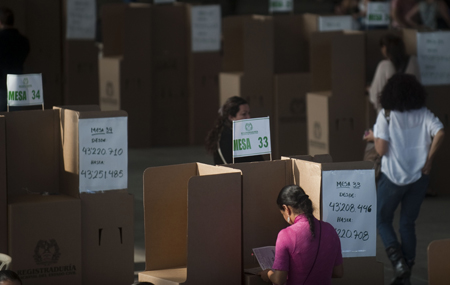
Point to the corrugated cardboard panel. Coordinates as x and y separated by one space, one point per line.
318 122
262 181
438 102
113 28
110 83
215 240
137 36
290 113
171 89
259 93
438 262
233 43
45 239
204 99
259 50
308 175
321 59
81 81
44 30
230 85
3 190
107 238
348 77
165 189
33 148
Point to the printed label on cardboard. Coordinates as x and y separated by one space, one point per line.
103 152
378 14
24 89
251 137
281 6
46 255
350 205
81 19
206 28
434 57
335 23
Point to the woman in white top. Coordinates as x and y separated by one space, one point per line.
396 61
407 136
429 12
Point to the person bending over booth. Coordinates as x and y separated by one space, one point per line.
219 141
407 136
309 250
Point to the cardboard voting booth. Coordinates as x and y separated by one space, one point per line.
44 219
193 225
126 85
95 166
312 177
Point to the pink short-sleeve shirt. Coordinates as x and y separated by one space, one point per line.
296 250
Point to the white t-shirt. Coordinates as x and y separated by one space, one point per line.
409 135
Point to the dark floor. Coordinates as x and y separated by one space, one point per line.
433 222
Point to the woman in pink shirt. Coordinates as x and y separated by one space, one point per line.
309 250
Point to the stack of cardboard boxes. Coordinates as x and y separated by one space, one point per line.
54 233
266 62
169 89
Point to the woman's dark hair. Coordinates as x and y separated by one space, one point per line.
230 108
396 51
296 197
403 92
8 275
6 16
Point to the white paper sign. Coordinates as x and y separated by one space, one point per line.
378 13
281 6
163 1
433 55
350 205
206 28
24 89
335 23
251 137
103 152
81 19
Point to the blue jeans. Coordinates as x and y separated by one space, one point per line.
389 196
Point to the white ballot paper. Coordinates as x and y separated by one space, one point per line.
265 256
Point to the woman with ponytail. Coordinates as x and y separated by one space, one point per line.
219 140
309 250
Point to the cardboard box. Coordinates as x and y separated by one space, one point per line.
290 130
230 85
338 63
188 244
69 124
204 102
410 40
170 67
44 30
126 30
3 190
126 85
334 127
261 183
308 174
45 239
275 44
107 238
33 141
81 84
233 43
438 103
